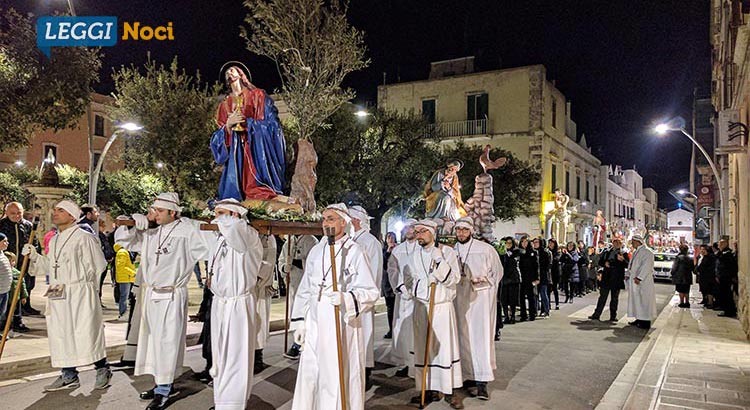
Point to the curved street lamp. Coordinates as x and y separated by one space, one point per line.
127 127
678 124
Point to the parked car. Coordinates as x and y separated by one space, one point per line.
663 266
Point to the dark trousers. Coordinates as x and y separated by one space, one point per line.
390 303
101 283
614 295
30 282
527 295
554 289
726 296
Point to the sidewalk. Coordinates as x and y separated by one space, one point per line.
691 359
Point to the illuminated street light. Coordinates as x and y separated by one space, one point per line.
130 126
160 165
126 127
361 113
661 129
19 163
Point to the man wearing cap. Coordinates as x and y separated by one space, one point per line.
74 315
476 307
435 263
294 264
641 292
317 385
235 258
401 282
374 250
168 255
264 290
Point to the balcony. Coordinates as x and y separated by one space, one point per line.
457 129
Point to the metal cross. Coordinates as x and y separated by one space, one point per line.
158 252
55 266
320 293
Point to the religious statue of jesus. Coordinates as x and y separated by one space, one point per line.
249 142
600 227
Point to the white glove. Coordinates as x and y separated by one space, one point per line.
29 250
141 221
407 295
299 335
335 298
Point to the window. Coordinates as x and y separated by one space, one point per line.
578 186
47 149
596 194
554 112
567 181
554 177
428 110
98 125
477 107
587 191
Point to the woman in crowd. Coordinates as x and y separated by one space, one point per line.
510 290
555 271
706 275
388 294
529 265
545 267
682 275
571 278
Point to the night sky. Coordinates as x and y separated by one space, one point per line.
624 64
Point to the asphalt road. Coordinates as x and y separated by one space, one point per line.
564 362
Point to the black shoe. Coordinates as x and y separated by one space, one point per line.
123 363
634 323
388 335
557 307
687 305
368 378
532 318
203 376
293 352
429 397
402 372
159 402
21 328
30 311
259 365
613 319
482 393
644 324
522 319
594 317
147 395
506 321
497 336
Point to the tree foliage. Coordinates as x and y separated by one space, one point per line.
177 112
514 185
37 92
314 48
384 159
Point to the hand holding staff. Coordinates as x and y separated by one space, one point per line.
334 277
14 300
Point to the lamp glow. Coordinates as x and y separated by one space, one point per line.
130 126
661 129
361 113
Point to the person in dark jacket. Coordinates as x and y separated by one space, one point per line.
614 261
583 269
570 273
545 266
682 275
706 275
726 275
511 282
555 271
529 264
387 289
17 229
204 315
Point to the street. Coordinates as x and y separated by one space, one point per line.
564 362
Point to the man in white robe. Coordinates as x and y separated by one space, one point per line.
374 251
401 282
435 263
74 314
264 289
641 291
168 256
476 307
317 385
235 259
294 264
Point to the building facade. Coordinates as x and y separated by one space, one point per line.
518 110
70 146
730 94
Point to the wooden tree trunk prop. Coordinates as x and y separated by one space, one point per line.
305 178
480 207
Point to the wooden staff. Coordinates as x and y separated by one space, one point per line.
287 269
430 312
336 309
17 292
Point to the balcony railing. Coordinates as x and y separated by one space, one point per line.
457 128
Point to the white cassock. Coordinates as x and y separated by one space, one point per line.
476 308
438 265
74 322
317 385
235 260
301 246
642 297
264 290
401 281
374 251
132 240
168 256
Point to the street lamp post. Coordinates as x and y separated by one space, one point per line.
126 127
678 124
